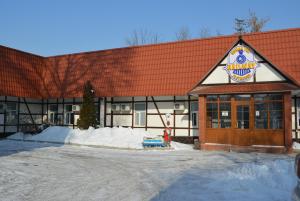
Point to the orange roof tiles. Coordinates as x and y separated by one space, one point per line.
150 70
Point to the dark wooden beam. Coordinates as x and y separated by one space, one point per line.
162 120
31 117
146 123
132 113
189 115
104 112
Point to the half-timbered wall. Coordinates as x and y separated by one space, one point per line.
155 110
296 118
39 112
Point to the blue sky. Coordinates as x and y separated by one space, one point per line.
51 27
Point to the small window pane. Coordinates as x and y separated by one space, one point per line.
260 97
242 97
275 97
212 98
275 119
11 106
194 118
140 106
53 108
212 115
68 108
243 116
142 118
194 106
225 97
1 107
225 115
275 106
261 115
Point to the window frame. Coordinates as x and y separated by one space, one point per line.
194 115
53 114
268 101
218 102
68 115
139 113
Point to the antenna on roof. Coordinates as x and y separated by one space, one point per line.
240 38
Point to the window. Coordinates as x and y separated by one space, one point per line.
218 111
225 114
298 118
194 113
52 114
69 115
268 111
11 113
139 114
1 107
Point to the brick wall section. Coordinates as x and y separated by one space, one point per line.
288 121
202 119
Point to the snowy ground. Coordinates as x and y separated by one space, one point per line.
44 171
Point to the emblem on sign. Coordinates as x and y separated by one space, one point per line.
241 65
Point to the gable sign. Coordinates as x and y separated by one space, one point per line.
241 65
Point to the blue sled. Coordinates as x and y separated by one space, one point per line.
153 143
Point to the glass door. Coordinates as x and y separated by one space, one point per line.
242 116
242 111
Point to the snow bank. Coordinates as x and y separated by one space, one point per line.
261 180
118 137
296 146
272 180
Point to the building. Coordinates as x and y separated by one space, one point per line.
229 91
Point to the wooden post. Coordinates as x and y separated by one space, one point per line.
202 119
4 119
146 123
288 121
42 111
111 113
296 118
174 118
104 112
189 117
132 113
18 120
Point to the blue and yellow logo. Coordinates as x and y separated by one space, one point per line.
241 65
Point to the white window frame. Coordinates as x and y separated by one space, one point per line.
52 114
11 113
139 113
68 115
194 114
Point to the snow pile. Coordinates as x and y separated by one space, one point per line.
271 180
266 180
296 146
110 137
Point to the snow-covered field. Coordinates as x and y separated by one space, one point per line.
45 171
117 137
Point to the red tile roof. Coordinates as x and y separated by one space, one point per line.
150 70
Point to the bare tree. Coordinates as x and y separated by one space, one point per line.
183 34
204 32
142 37
254 24
251 24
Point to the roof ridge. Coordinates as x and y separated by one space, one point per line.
176 42
21 51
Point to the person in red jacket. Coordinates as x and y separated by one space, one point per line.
167 134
